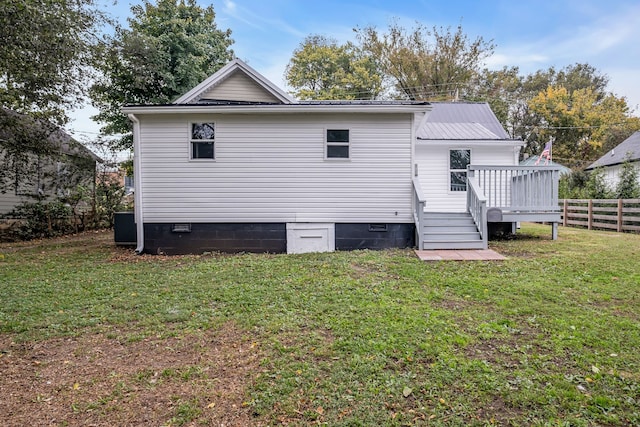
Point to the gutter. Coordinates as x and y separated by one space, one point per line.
137 184
274 108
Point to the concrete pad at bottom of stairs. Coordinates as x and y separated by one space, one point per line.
460 255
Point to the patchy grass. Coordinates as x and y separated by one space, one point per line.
91 333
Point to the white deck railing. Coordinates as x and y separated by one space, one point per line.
517 188
477 205
419 202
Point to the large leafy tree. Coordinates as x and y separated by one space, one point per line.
424 63
169 47
322 69
570 105
577 121
46 55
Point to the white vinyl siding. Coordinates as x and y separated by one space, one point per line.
271 168
433 171
611 175
10 200
239 87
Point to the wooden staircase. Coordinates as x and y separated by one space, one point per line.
450 230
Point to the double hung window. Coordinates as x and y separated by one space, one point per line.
337 143
203 140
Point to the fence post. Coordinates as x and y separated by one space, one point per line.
619 223
565 212
590 215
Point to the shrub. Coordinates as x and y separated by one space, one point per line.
42 219
628 186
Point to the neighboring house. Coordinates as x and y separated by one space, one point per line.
57 173
236 164
629 149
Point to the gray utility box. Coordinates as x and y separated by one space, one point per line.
124 229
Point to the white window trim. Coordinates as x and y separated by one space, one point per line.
449 170
327 143
191 140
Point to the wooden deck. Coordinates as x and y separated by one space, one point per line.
460 255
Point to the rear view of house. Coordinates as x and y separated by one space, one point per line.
236 164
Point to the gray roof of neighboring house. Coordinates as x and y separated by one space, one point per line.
630 146
462 121
56 136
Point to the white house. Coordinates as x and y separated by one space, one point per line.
612 161
236 164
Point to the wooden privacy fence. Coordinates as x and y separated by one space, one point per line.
610 214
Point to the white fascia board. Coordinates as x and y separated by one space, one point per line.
225 71
271 109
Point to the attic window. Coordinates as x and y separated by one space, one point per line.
202 140
337 143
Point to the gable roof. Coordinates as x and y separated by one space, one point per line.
244 74
462 121
630 146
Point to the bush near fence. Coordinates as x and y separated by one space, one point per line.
622 215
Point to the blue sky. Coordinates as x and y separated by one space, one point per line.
529 34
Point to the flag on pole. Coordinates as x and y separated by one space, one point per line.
546 153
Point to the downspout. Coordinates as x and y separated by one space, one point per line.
137 184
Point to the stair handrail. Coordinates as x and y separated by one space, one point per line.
477 207
419 203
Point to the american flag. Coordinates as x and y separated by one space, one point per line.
546 153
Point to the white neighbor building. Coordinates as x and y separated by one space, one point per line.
612 161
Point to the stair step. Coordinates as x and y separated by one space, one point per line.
444 222
467 228
448 214
451 235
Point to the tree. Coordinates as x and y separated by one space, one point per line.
170 47
45 54
322 69
45 57
425 64
628 184
499 88
577 121
593 121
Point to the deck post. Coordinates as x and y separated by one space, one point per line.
554 231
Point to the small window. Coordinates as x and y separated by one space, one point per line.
337 143
458 162
202 140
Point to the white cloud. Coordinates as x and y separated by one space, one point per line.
229 7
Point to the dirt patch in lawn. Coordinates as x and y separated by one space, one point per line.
91 380
74 242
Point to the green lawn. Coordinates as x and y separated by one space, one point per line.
550 336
